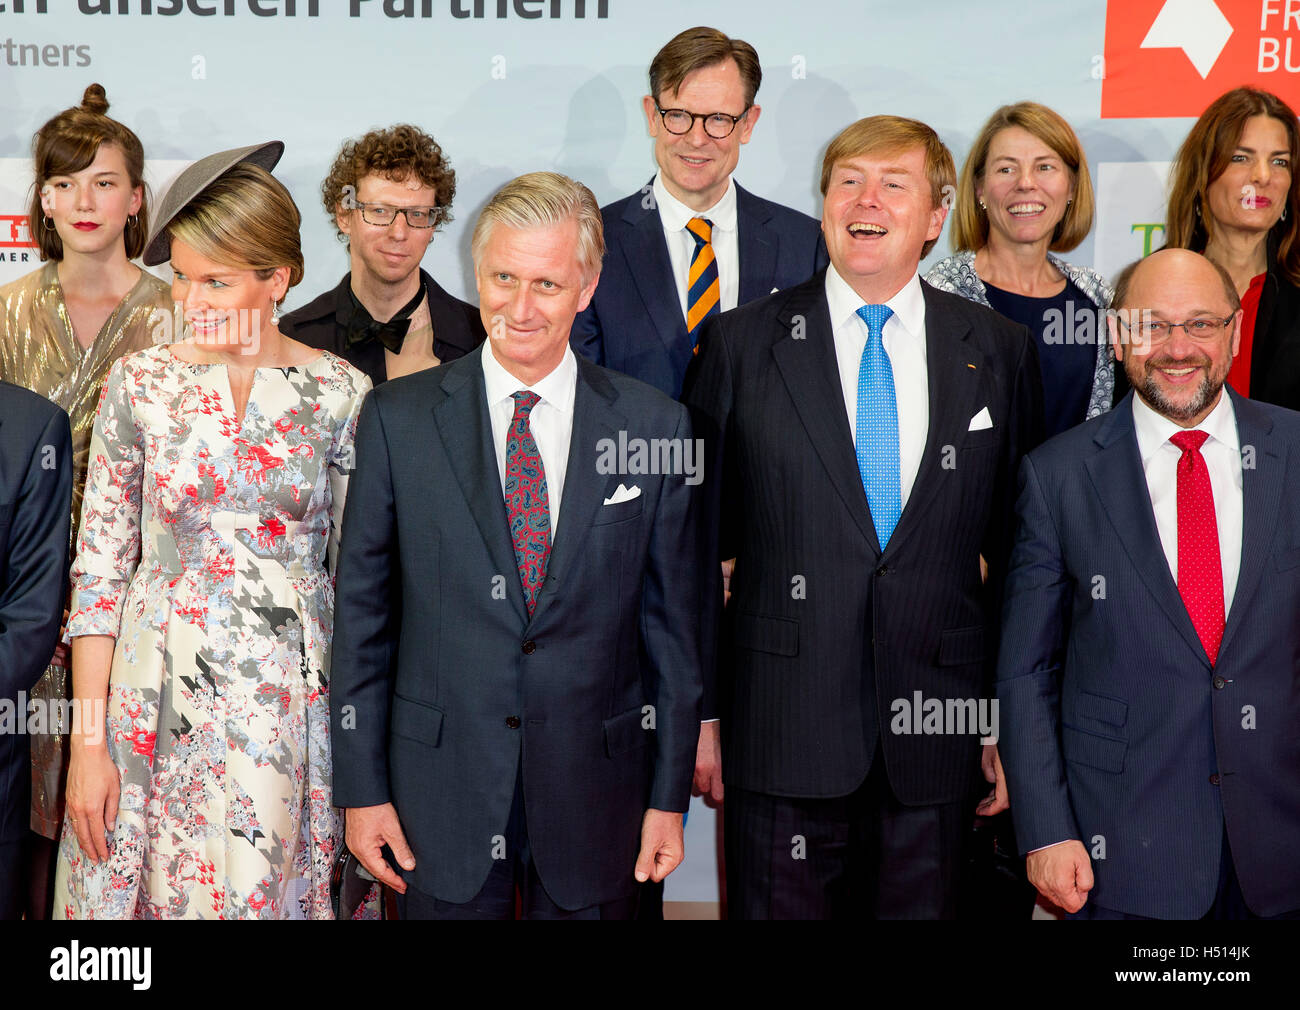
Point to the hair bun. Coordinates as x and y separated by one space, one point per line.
95 99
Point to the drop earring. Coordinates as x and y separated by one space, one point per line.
275 312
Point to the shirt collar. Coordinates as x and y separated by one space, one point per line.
556 388
674 214
1153 429
908 303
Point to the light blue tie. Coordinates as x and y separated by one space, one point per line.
877 432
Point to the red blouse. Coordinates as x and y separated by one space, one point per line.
1239 373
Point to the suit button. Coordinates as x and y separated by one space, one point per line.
882 570
512 722
1218 683
1214 779
529 647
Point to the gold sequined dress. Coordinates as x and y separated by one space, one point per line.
39 350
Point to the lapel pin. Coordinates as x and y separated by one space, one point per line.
969 365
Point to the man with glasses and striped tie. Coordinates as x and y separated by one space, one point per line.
691 243
862 433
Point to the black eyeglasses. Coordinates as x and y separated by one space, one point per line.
383 215
717 125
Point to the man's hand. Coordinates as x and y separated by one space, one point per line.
1062 873
708 762
662 846
997 800
369 829
728 567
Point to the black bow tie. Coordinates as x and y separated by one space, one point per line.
362 328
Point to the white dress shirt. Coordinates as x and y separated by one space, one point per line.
551 420
1222 455
904 340
674 215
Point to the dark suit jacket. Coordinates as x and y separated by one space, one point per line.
446 678
823 632
457 327
35 510
1275 350
1113 720
634 323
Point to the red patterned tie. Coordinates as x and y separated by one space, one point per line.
527 505
1200 570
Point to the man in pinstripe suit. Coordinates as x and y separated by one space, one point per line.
1150 704
863 432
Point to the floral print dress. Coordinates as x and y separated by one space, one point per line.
202 549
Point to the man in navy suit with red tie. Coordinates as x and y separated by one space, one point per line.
516 677
1150 706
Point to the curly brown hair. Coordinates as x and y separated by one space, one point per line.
393 153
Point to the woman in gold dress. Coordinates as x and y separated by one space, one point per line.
61 328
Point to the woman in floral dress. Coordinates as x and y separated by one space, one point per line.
202 607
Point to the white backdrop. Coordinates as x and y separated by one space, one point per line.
519 85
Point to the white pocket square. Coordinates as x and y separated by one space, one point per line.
981 421
774 291
623 494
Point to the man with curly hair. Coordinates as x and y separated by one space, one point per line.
387 193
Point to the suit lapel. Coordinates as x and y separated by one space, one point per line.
1121 484
449 323
594 418
1262 474
646 253
811 374
757 247
466 433
952 383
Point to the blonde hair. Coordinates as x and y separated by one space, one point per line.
878 135
244 219
970 224
539 200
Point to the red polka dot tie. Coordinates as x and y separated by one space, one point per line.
527 503
1200 570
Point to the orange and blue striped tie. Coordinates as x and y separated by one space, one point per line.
702 290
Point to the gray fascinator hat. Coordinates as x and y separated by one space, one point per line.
193 181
